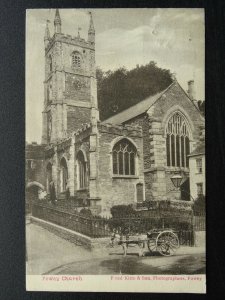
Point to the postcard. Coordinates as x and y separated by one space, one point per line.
115 150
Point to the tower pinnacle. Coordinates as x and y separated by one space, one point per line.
91 24
47 34
91 30
57 22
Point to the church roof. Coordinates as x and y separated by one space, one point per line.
200 149
135 110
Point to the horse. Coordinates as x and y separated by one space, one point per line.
128 241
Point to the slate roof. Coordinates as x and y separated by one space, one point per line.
200 149
135 110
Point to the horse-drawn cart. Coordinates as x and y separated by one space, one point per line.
163 241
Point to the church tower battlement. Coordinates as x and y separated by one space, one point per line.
70 91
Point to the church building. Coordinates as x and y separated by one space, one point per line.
126 159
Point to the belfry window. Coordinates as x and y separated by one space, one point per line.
76 60
82 171
177 141
124 156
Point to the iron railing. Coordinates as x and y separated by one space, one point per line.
199 223
89 226
102 227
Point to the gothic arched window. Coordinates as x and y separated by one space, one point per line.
82 170
124 158
76 59
63 174
177 141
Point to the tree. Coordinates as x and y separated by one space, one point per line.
120 89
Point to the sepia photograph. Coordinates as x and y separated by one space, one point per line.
115 150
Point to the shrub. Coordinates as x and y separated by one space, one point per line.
123 211
85 212
165 213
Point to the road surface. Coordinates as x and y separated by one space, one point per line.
49 254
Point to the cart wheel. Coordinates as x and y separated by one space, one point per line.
152 245
167 243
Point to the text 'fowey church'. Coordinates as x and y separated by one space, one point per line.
126 159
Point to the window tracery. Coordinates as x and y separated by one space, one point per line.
124 156
177 141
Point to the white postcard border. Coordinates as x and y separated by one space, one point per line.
118 283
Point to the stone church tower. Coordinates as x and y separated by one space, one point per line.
70 93
126 159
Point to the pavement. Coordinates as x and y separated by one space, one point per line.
46 251
50 254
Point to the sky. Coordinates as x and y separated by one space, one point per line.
173 38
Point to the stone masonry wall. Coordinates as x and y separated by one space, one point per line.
116 190
76 116
68 89
173 100
158 184
142 121
87 56
175 97
77 87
